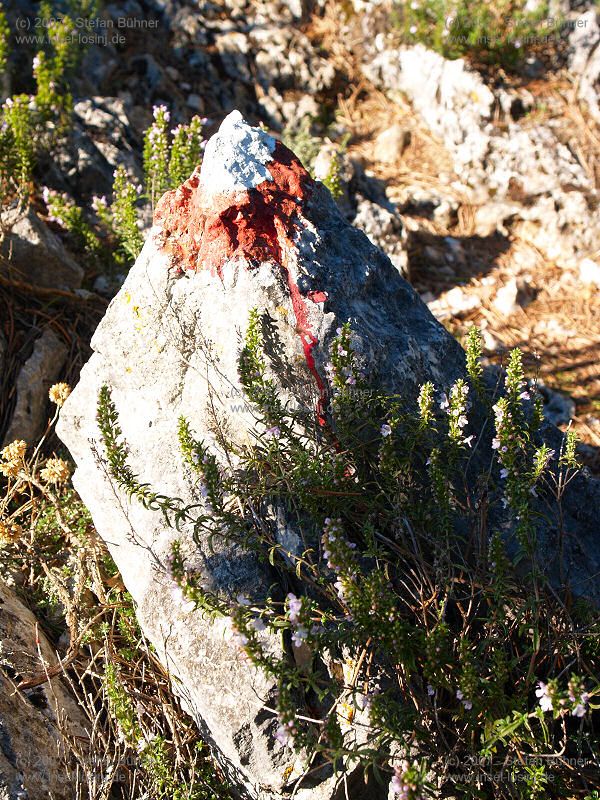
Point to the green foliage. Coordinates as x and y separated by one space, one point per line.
17 146
69 216
333 179
155 754
156 155
307 146
403 568
170 161
54 68
496 33
303 142
123 214
186 151
4 40
32 124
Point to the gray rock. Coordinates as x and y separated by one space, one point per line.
103 137
559 408
33 761
584 60
453 100
523 166
36 255
384 228
168 346
39 372
233 48
174 314
391 143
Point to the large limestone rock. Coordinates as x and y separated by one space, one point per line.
251 230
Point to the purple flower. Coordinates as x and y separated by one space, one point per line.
299 635
385 430
294 607
284 733
495 444
504 473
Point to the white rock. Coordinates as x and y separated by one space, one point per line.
505 301
236 158
589 272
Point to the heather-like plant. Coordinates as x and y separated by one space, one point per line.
54 67
17 146
156 154
30 124
122 217
170 157
186 150
63 211
4 40
424 648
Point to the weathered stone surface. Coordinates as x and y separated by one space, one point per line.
35 255
37 375
525 170
33 761
251 230
103 137
584 60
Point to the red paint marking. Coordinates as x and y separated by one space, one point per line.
318 297
256 225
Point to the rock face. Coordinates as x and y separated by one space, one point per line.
38 373
35 255
250 230
553 207
33 762
585 61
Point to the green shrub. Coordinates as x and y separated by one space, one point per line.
17 146
421 643
170 158
31 124
62 210
496 33
4 41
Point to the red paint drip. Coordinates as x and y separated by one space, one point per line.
205 232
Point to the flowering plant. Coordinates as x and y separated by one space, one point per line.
407 625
